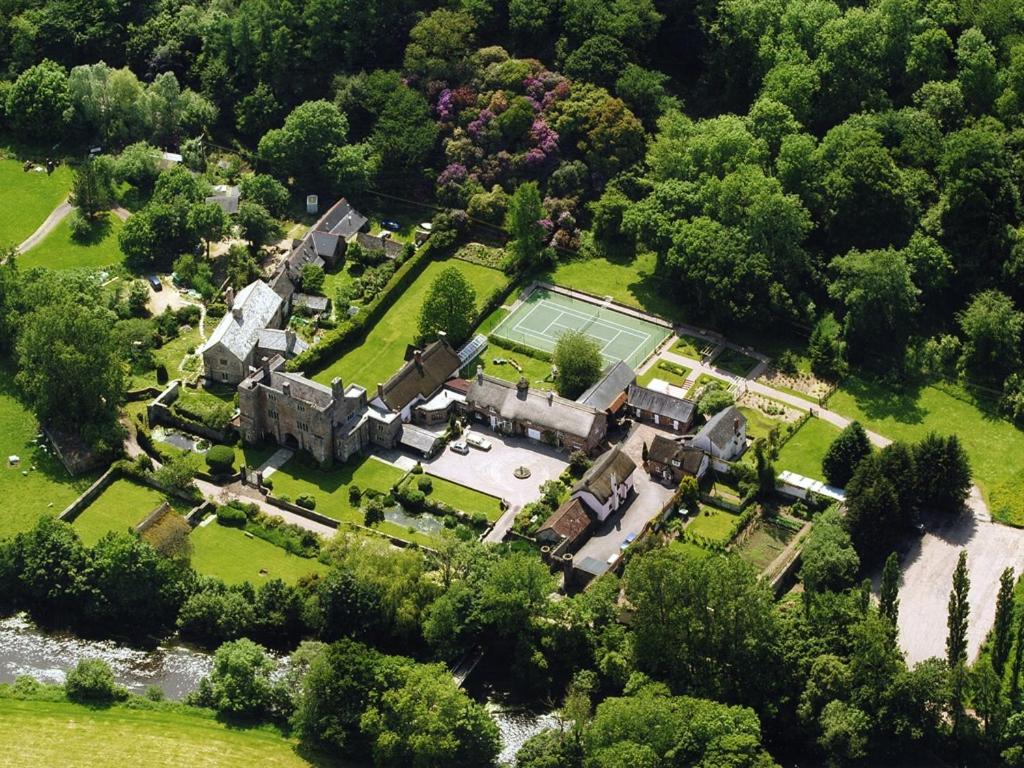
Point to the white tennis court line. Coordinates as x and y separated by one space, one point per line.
582 316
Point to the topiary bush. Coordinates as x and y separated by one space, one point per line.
231 517
354 495
221 460
425 484
306 501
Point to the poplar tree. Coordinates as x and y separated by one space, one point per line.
1003 627
889 602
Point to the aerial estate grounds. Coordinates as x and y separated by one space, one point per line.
545 315
993 445
38 484
74 736
382 352
231 555
27 198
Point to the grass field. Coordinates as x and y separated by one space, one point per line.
47 488
122 505
26 199
171 355
465 499
692 346
666 371
994 446
535 370
804 451
383 351
630 281
734 362
767 541
712 524
47 733
59 251
545 315
330 489
229 554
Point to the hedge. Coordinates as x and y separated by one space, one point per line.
334 343
220 459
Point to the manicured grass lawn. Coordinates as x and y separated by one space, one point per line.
122 505
172 354
630 281
535 370
465 499
767 540
48 488
703 379
734 362
712 524
994 445
491 321
229 554
335 281
26 199
330 489
73 736
758 423
253 455
382 352
673 374
692 346
804 451
60 251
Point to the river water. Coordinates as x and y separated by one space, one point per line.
176 670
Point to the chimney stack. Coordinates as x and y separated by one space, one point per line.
229 296
736 425
417 356
522 385
479 374
236 312
380 391
286 388
336 389
289 340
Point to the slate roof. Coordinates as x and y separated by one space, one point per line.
226 197
421 377
301 388
611 468
258 303
324 244
664 450
544 410
606 390
314 303
569 521
285 343
418 439
721 427
666 406
341 219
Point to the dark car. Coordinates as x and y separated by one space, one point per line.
154 281
393 226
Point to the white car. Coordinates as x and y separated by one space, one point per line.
459 446
478 442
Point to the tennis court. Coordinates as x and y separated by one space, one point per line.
544 316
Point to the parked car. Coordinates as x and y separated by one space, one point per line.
459 446
628 540
478 441
394 226
154 281
613 558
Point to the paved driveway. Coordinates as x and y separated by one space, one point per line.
928 577
649 499
491 471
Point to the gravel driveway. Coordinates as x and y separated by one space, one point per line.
928 576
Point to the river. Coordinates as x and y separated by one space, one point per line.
176 670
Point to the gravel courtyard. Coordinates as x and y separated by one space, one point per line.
927 579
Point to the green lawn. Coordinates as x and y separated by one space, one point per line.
172 355
46 487
59 251
670 372
734 362
767 541
712 524
536 371
465 499
122 505
758 423
804 451
994 446
26 199
491 321
692 346
336 280
382 352
74 736
229 554
630 281
330 489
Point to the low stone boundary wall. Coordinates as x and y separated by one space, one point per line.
310 514
75 508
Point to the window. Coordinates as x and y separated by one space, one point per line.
271 396
223 361
303 426
272 413
301 408
676 463
224 376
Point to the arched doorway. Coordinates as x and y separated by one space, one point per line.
290 441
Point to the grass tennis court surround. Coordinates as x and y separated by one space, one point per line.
545 315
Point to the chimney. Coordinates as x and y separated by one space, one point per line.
442 336
229 296
417 357
336 389
380 391
551 398
479 374
736 425
286 388
522 386
289 340
236 312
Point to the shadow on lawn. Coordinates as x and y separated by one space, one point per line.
880 401
97 231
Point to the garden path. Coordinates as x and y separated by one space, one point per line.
57 215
